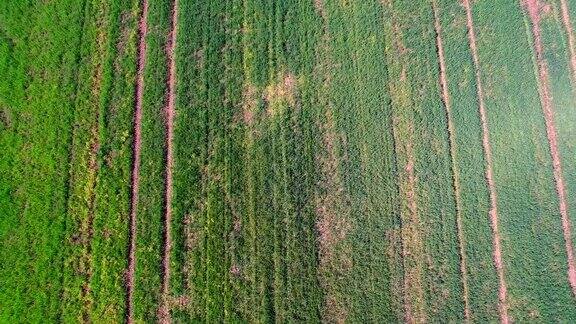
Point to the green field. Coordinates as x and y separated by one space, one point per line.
335 161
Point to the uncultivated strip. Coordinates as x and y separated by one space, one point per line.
533 7
412 249
88 227
502 293
332 211
570 34
164 311
452 142
143 31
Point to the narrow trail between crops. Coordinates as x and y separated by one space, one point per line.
164 311
143 32
571 42
533 8
502 293
455 174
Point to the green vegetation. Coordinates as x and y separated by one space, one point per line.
531 230
314 179
557 55
470 163
67 110
40 50
149 237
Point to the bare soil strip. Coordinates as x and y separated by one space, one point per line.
455 174
533 8
143 31
502 293
570 33
164 311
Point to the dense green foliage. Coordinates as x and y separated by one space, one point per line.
67 111
314 178
39 54
528 204
469 163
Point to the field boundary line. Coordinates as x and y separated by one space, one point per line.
570 34
452 141
533 8
497 253
136 146
169 111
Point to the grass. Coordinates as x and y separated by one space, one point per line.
557 56
470 164
529 214
313 180
40 50
151 197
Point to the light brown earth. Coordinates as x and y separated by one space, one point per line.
497 255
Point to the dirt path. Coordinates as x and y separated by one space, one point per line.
570 33
455 174
143 31
164 311
533 7
502 293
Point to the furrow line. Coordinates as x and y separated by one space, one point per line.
136 147
497 253
533 8
452 142
164 310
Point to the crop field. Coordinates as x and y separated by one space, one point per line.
288 161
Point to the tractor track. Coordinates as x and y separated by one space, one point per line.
164 310
455 175
497 253
136 147
533 9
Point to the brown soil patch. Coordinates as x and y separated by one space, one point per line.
249 104
136 147
320 8
453 157
180 302
280 93
497 256
5 118
533 7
